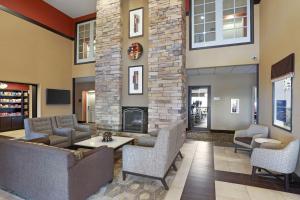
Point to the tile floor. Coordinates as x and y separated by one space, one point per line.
15 134
230 191
226 160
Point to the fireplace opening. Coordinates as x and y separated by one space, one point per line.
135 119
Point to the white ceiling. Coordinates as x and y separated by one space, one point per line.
245 69
74 8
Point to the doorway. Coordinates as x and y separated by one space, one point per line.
84 99
199 108
90 107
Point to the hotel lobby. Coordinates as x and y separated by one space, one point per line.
149 100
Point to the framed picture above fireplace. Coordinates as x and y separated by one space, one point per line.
135 80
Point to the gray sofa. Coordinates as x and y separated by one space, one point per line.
154 162
79 132
62 131
40 172
46 127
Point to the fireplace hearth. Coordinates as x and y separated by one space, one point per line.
135 119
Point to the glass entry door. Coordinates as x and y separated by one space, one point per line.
199 108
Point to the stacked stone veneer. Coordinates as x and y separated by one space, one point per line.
166 60
108 65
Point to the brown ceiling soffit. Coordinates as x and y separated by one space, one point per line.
284 67
257 1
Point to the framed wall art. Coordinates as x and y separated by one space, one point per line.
136 23
135 51
235 106
282 75
135 80
282 103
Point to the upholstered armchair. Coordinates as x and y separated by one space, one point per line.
282 161
153 162
150 139
46 127
80 132
244 139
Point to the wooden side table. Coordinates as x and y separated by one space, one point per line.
260 141
267 140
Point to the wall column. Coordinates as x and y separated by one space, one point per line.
166 59
108 65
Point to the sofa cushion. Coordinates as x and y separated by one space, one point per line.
42 125
79 135
146 141
245 140
66 121
55 139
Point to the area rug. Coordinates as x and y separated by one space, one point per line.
218 139
134 187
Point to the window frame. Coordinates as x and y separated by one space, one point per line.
229 42
78 61
273 106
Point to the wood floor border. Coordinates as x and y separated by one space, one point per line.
200 183
258 181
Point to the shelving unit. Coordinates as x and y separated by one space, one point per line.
14 108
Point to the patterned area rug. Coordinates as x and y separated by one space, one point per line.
218 139
134 187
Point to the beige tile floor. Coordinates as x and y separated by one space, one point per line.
15 134
226 160
230 191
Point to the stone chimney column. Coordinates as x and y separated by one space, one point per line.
108 65
166 59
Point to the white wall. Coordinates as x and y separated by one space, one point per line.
228 86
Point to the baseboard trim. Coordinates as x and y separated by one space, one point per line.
222 131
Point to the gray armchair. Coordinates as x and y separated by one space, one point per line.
79 132
244 139
150 139
282 161
153 162
46 127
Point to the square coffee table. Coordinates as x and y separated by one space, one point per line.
95 142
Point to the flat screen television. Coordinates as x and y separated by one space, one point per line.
57 97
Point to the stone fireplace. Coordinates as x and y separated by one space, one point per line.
135 119
163 60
